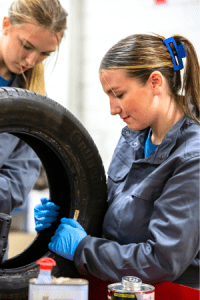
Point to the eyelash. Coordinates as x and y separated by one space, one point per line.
26 47
46 54
119 96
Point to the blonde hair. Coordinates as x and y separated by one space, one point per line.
141 54
37 82
48 14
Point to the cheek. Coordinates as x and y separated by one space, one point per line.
14 52
131 105
134 102
41 59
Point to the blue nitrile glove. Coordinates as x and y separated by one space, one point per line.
45 214
66 238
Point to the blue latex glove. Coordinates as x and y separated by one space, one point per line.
45 214
66 238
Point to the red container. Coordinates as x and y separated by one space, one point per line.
160 2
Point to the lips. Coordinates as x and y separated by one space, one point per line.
125 118
23 68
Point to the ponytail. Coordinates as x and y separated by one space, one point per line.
191 81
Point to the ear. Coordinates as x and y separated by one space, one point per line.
6 25
156 80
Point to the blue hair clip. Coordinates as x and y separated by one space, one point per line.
180 53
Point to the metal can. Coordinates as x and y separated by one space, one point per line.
61 288
131 288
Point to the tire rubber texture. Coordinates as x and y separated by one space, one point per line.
75 175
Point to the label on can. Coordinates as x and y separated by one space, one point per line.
77 290
119 296
149 296
59 292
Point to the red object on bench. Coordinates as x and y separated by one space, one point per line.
160 1
173 291
163 291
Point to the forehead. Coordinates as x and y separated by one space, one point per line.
113 78
114 74
37 35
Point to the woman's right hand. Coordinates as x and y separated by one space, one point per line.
45 214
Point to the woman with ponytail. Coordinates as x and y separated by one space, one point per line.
32 30
151 227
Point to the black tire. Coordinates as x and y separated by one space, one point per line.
75 173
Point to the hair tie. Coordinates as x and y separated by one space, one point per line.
180 53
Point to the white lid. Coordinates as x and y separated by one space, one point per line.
131 283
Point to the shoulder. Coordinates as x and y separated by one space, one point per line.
185 144
189 137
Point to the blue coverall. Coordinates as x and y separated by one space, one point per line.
19 169
151 228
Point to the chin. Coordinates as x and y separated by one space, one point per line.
18 72
16 69
138 127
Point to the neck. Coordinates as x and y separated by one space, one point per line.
5 74
4 71
169 116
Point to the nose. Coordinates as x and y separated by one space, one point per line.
115 108
32 59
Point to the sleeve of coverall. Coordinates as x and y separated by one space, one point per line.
174 237
19 169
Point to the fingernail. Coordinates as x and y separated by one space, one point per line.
44 200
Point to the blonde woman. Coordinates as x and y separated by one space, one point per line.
32 31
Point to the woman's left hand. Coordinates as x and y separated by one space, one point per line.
66 238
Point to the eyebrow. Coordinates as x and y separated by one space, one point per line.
26 41
111 90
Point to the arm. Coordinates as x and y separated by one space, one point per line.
174 231
20 169
8 142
